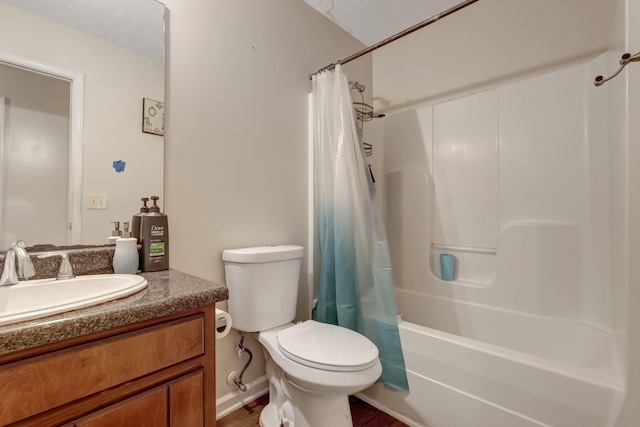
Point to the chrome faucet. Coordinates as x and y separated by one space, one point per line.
65 271
17 264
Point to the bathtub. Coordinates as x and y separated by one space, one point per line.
484 367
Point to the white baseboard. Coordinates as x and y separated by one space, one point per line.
232 401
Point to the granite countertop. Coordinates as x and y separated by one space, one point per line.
169 291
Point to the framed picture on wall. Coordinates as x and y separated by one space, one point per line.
152 116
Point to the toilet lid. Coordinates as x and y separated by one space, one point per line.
329 347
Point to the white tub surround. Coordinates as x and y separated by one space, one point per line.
522 184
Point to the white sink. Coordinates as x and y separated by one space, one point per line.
39 298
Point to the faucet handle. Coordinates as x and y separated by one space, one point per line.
65 271
19 243
17 264
24 266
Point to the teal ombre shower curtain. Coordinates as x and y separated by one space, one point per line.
356 286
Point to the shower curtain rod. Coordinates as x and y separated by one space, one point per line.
626 59
396 36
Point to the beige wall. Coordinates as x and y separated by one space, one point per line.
112 112
236 137
488 43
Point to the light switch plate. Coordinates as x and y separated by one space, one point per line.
97 201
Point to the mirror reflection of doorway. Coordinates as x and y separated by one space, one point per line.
34 156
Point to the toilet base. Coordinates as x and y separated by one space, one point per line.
326 417
292 406
269 417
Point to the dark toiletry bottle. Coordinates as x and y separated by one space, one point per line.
135 221
154 232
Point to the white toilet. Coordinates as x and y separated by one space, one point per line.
312 367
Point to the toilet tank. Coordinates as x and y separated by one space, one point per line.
263 285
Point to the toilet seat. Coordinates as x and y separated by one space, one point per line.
317 380
327 347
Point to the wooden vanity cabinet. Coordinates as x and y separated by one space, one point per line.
159 372
145 410
180 399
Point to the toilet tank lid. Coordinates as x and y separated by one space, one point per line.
263 254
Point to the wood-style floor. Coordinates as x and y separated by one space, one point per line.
363 415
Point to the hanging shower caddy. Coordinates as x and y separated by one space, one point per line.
364 113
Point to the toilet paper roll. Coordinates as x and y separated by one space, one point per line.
223 323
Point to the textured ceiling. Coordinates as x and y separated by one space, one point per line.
139 24
371 21
134 24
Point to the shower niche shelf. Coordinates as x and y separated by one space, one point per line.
474 266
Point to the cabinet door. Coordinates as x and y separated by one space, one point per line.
145 410
186 400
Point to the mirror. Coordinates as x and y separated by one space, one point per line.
102 60
35 147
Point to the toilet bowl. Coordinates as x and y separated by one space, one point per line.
312 367
318 367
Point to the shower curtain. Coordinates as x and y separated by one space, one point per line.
356 286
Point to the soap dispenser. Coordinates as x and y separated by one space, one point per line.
115 234
125 258
154 233
135 221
